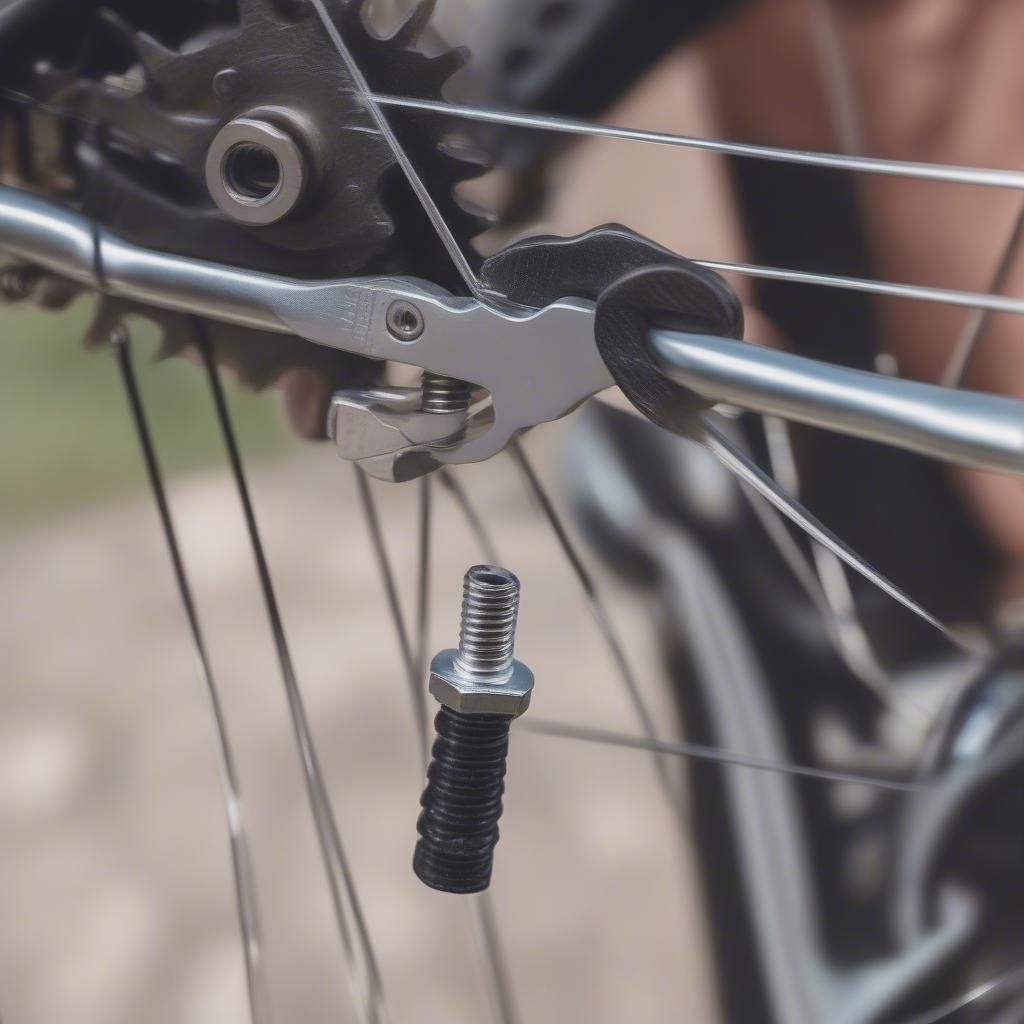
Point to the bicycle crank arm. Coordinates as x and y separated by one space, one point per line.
536 365
984 431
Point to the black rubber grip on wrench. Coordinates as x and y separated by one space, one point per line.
637 284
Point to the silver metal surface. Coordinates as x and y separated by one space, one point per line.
984 431
238 199
536 365
992 176
893 289
255 202
482 677
378 421
405 321
47 235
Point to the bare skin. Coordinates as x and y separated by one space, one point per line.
934 80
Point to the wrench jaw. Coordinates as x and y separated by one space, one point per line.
386 432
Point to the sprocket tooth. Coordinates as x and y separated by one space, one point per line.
414 25
158 62
176 338
108 316
444 65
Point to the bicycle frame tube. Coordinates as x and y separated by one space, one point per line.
984 431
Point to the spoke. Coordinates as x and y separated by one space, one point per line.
431 209
423 583
978 319
570 731
826 587
601 617
453 485
923 293
489 940
789 551
826 583
835 70
387 575
736 462
355 937
24 100
976 995
850 637
957 174
246 897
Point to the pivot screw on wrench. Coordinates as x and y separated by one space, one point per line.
404 320
481 688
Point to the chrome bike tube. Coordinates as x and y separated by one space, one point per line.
985 431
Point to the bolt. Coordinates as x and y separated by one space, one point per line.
405 321
458 826
444 394
487 632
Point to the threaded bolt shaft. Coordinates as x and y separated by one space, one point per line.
490 604
444 394
461 805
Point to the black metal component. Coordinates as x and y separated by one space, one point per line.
162 85
637 284
970 829
458 827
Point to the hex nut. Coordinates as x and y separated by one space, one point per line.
257 135
472 696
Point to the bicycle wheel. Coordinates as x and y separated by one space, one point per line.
845 829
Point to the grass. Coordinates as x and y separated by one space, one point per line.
65 433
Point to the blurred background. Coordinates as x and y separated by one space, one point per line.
115 882
114 870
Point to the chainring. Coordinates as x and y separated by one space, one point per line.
137 114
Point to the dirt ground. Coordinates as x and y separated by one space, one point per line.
114 873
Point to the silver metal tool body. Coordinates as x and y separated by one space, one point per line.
535 365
